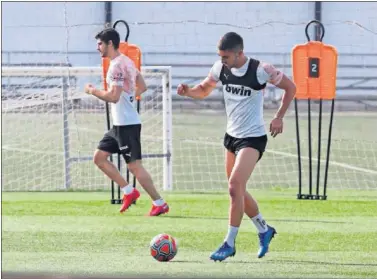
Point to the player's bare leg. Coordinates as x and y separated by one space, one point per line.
142 175
252 211
251 205
108 168
144 178
101 161
250 208
243 167
265 232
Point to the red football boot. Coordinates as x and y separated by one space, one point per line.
158 210
129 199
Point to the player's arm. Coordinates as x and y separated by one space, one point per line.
203 89
199 91
280 80
269 73
141 86
289 93
111 95
117 77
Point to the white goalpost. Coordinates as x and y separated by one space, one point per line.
51 128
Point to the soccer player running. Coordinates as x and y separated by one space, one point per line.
124 84
243 79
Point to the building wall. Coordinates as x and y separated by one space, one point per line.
186 27
274 27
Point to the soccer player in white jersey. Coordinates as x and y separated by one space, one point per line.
124 83
243 79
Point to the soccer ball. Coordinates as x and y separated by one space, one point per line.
163 247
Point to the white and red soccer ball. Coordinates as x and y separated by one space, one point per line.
163 247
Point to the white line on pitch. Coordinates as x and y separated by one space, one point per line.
346 166
286 154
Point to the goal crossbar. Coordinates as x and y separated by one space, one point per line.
76 71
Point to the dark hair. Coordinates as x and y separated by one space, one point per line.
231 41
107 35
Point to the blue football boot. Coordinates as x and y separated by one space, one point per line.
264 241
223 252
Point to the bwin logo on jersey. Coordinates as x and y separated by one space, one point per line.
238 90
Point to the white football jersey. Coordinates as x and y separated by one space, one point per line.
122 72
243 95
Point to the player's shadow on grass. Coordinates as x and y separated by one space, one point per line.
309 221
195 217
299 262
270 220
232 261
187 261
322 263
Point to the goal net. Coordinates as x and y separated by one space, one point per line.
51 128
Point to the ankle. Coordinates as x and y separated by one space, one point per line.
128 189
158 202
231 236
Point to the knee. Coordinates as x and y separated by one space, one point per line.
236 188
100 158
135 168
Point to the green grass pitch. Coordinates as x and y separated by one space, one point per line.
81 233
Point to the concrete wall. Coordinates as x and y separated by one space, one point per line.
274 27
186 27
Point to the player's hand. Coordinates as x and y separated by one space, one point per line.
182 89
276 126
89 88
